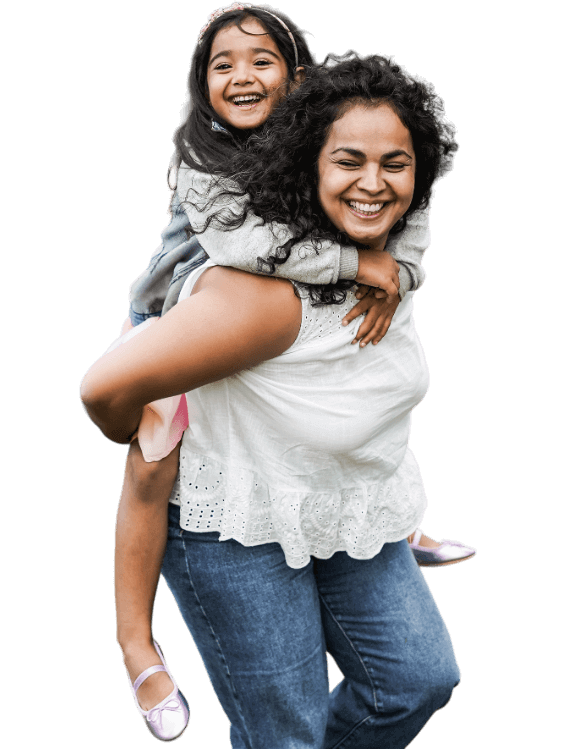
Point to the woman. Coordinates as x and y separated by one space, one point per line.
278 466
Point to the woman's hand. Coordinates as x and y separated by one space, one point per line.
378 311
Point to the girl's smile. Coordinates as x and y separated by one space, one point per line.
247 75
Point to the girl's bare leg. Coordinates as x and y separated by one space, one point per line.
141 534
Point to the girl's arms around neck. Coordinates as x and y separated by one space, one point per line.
232 321
241 247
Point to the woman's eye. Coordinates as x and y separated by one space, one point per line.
347 164
395 167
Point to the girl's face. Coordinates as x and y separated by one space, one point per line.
247 75
367 173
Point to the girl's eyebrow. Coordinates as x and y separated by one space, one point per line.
361 155
255 50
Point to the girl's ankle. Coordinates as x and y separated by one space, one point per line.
132 646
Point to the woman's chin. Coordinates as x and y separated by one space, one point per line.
371 241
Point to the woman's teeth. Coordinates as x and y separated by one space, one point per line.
369 209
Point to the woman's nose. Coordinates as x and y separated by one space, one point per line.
371 180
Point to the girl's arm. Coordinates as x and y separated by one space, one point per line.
408 248
232 321
200 196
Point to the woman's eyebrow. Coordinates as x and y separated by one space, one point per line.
255 50
361 155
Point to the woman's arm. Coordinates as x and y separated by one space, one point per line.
232 321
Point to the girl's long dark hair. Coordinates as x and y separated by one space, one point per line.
277 168
197 144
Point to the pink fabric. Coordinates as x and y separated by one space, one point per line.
164 421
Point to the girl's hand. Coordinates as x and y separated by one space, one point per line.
378 311
380 270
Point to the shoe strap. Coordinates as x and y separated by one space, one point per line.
146 673
416 537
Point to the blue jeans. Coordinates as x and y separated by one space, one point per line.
262 629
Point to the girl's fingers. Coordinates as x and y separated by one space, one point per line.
367 329
359 309
362 290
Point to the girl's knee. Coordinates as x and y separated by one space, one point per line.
151 481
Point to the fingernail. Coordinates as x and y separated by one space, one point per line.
345 322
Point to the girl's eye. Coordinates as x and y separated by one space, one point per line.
260 63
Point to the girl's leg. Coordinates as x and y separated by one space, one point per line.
256 623
383 628
425 541
141 532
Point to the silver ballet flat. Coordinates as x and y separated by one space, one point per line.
448 552
167 720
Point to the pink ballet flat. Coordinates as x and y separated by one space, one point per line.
448 552
167 720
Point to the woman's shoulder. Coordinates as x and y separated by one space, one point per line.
267 291
268 305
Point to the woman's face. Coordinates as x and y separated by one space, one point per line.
367 173
246 75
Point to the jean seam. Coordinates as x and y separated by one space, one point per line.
355 727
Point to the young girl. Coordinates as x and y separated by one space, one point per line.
247 60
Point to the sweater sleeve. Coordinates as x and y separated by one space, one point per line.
201 199
408 247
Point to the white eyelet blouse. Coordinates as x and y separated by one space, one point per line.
309 449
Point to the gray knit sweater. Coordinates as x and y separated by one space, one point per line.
241 247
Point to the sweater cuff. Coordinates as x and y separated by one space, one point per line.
348 264
405 281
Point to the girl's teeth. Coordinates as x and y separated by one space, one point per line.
243 99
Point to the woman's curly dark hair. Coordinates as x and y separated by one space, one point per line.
277 168
214 148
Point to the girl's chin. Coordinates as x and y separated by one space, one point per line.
248 119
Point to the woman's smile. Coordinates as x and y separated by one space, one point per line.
365 210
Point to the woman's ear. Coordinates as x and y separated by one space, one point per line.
298 79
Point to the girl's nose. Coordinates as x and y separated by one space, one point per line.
243 75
